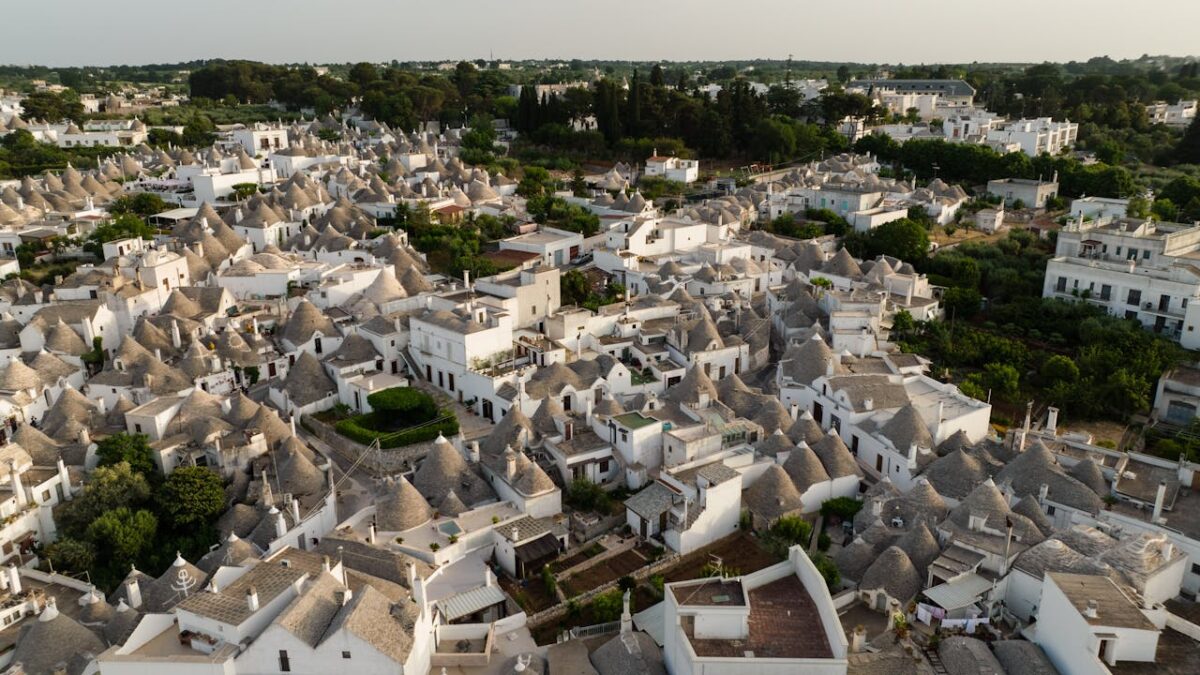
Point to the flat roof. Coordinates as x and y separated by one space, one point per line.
1113 608
635 420
784 623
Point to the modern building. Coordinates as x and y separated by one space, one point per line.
1133 268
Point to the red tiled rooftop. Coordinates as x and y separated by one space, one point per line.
784 624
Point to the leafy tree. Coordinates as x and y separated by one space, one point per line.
109 487
902 321
792 530
828 570
71 555
132 449
123 536
192 496
903 239
1059 368
123 226
52 107
1003 380
1188 149
143 204
574 287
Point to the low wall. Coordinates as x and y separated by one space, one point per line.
641 574
386 462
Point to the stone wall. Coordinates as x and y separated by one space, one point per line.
641 574
385 462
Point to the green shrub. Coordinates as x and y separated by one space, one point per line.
843 507
354 429
402 406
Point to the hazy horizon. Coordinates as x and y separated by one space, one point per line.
919 31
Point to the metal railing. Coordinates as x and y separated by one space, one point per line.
595 629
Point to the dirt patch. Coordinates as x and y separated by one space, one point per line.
531 594
609 569
739 553
578 557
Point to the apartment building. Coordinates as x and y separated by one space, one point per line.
1143 270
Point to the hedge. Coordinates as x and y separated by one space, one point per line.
352 429
404 405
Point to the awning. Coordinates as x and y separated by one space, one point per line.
544 546
469 602
961 592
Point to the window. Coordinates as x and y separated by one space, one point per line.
1061 286
624 436
1196 568
1135 297
285 665
1049 510
1105 292
345 655
604 466
1146 254
137 428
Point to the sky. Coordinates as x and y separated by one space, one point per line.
868 31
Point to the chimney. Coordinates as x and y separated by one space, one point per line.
876 508
474 452
85 438
1160 499
345 596
50 613
510 463
280 523
133 593
252 599
412 575
158 353
868 403
14 578
1043 492
295 504
326 565
18 487
371 534
793 411
516 534
626 617
1052 421
587 410
912 454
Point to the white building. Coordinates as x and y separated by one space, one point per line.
684 171
1031 193
776 621
1133 269
1179 114
1086 624
1035 136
